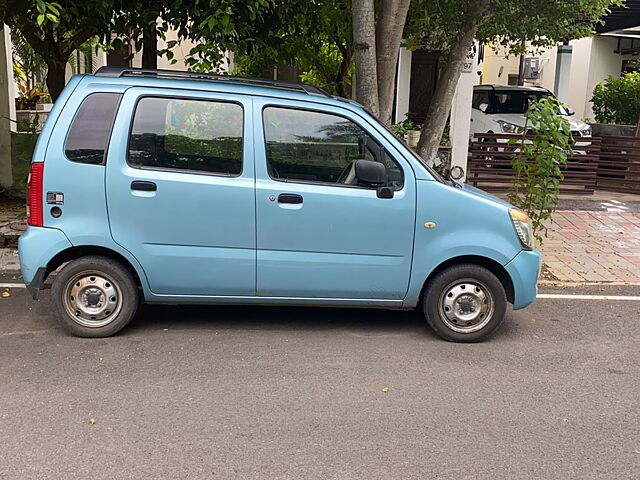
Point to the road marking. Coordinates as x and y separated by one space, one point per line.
12 285
589 297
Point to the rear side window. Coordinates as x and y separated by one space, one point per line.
185 134
91 128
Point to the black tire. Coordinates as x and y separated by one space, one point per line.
106 301
487 295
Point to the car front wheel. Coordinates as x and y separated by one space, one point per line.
465 303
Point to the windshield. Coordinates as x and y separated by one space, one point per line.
517 101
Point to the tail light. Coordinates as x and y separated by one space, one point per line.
34 195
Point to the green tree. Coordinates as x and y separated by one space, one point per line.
450 26
312 36
55 31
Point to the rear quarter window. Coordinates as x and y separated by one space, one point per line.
91 128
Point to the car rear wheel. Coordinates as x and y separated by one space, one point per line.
95 296
465 303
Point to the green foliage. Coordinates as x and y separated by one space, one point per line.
24 144
617 100
436 24
401 129
538 162
28 97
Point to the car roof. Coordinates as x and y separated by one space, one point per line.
178 79
510 87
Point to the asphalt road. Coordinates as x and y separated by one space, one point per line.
273 393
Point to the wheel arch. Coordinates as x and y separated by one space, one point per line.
494 267
75 252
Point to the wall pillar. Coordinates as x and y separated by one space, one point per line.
403 85
461 111
562 85
7 107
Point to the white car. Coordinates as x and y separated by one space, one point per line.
501 109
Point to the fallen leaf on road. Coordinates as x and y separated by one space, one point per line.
385 389
92 421
565 420
6 294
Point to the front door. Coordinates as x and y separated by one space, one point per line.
180 190
319 233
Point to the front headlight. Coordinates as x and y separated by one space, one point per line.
508 127
522 225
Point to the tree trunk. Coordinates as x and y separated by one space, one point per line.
391 20
638 128
56 67
440 107
364 44
150 47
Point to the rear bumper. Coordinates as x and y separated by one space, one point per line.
524 270
37 246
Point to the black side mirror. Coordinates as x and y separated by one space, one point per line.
373 174
370 173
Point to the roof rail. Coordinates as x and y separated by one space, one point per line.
116 72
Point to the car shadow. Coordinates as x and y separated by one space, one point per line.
216 317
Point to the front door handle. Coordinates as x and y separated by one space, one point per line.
143 186
292 198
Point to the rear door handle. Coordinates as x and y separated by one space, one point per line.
292 198
143 186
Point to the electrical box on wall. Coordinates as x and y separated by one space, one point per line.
532 68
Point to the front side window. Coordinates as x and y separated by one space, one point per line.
91 128
319 147
185 134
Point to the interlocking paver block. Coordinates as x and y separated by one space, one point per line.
593 247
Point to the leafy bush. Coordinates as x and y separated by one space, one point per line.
538 161
617 100
401 129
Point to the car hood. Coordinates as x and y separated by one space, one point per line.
481 193
519 120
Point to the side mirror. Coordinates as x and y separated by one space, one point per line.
483 107
373 174
570 112
456 172
370 173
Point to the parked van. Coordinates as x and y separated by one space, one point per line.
175 187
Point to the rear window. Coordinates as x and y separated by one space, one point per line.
189 135
91 128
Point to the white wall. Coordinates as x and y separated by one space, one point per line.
461 114
604 62
403 85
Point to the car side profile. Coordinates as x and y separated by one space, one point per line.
175 187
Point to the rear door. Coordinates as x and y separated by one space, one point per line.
180 190
319 234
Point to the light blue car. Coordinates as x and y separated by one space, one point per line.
174 187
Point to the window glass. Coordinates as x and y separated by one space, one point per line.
480 98
319 147
91 128
185 134
517 101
